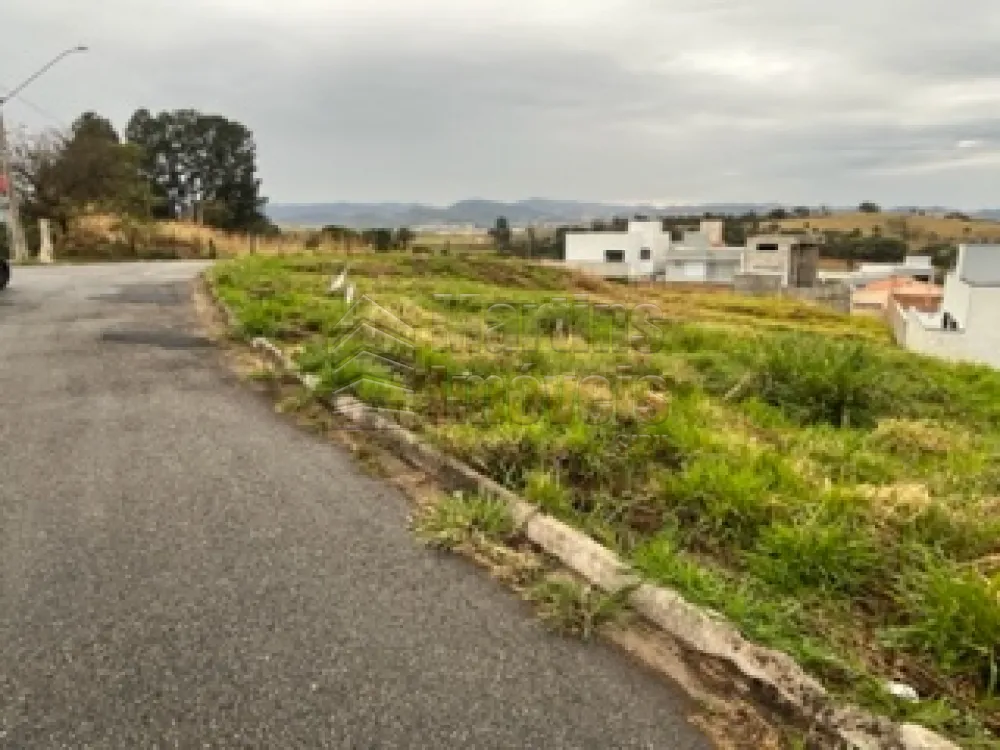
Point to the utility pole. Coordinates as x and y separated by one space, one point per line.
19 248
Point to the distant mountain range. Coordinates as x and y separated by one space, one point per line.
483 213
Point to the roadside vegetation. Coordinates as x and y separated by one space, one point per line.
833 496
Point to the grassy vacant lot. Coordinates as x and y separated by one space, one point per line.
833 496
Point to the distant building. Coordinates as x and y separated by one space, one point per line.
702 257
967 326
916 267
634 253
646 251
910 294
787 260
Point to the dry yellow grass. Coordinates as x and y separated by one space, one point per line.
436 239
227 245
919 231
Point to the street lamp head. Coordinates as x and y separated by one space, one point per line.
19 88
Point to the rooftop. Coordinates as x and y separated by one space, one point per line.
904 285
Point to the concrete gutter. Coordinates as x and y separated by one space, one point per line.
700 631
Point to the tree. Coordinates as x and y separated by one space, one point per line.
88 168
802 212
339 233
735 233
380 239
404 236
868 207
778 214
200 166
501 233
944 256
99 171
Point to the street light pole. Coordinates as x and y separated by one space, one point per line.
16 231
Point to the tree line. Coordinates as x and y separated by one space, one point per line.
180 164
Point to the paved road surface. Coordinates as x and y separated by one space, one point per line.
182 569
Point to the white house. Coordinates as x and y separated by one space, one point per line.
635 253
916 267
646 250
701 256
968 326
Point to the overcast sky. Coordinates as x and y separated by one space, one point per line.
671 101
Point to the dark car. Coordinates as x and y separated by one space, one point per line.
4 259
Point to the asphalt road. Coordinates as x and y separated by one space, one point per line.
183 569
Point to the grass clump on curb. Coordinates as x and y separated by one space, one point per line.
575 609
458 520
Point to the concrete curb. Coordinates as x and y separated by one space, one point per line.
700 631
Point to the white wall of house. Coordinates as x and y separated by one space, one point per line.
723 271
978 342
974 307
643 249
957 298
701 270
677 269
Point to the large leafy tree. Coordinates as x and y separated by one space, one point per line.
62 174
199 166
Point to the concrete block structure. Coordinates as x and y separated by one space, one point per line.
794 259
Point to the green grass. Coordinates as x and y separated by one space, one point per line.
574 609
833 496
460 519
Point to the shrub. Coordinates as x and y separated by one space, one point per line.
731 497
955 618
829 555
816 380
545 489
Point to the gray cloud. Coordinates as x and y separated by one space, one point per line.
601 99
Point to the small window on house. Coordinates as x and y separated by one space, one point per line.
769 247
614 256
645 254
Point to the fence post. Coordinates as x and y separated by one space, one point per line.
45 254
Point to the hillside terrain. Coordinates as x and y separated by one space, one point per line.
483 213
917 231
